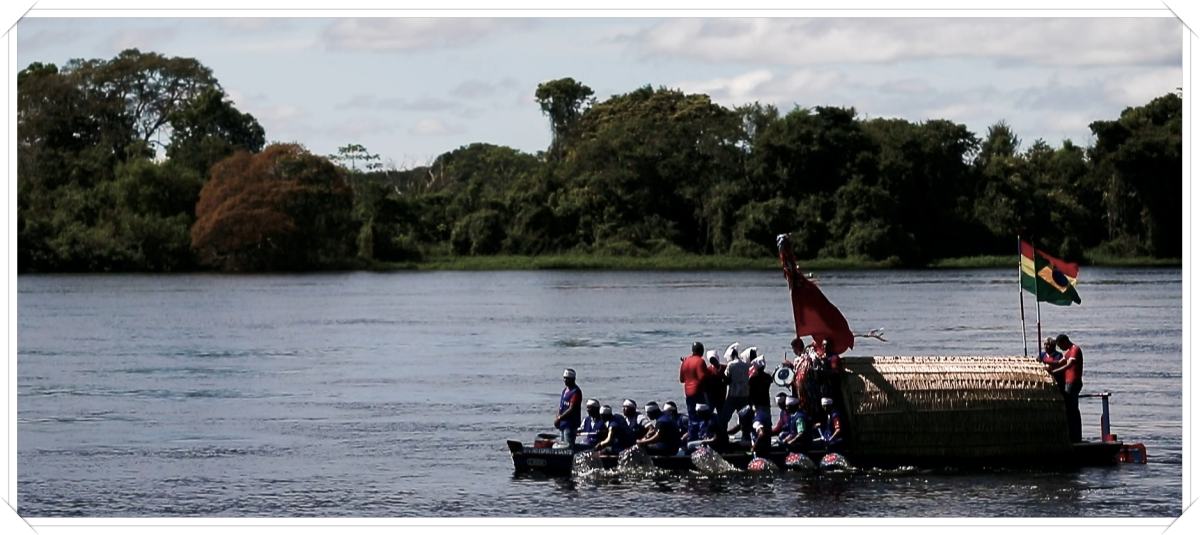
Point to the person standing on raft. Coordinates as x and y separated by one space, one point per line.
694 373
569 403
1071 367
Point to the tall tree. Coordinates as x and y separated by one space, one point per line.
563 101
151 86
208 128
1138 160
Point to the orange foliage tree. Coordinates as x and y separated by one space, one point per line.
281 209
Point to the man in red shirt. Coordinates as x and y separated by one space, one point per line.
694 373
1071 368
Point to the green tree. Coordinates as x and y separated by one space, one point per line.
1138 162
208 128
563 101
352 154
150 86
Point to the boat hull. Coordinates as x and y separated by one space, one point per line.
556 461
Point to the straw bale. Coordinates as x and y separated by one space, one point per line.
952 406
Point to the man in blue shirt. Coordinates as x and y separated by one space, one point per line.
569 404
593 428
663 437
791 436
619 436
709 430
1051 357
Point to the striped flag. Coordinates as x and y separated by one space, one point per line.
1051 279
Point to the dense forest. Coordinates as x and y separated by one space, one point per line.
142 163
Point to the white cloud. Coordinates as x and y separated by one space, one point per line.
435 127
763 85
1140 87
1058 41
380 34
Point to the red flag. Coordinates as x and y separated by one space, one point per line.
815 316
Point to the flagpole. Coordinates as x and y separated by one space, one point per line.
1021 292
1036 298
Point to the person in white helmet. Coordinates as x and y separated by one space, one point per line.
737 395
593 428
760 391
568 418
637 422
829 427
619 436
663 437
794 429
760 440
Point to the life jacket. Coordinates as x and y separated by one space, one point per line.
571 420
668 433
624 437
590 431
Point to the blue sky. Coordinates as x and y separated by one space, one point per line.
410 89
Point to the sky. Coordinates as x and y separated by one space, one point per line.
410 89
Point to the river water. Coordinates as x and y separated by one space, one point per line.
367 394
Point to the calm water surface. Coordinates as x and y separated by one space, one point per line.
366 394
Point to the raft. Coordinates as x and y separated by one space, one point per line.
928 412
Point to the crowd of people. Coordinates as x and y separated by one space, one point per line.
715 390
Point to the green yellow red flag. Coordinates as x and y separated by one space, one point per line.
1052 280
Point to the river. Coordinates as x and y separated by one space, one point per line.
391 394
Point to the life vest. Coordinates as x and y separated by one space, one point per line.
668 432
571 420
589 432
624 437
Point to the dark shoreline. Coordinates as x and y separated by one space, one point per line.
664 263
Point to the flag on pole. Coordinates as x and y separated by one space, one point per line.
1052 280
814 315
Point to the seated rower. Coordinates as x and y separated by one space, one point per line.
618 437
681 421
663 436
830 428
636 421
592 429
781 402
791 437
760 440
708 429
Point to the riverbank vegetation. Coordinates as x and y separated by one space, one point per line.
142 163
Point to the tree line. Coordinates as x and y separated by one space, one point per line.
142 163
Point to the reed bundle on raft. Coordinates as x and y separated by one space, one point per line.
954 407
